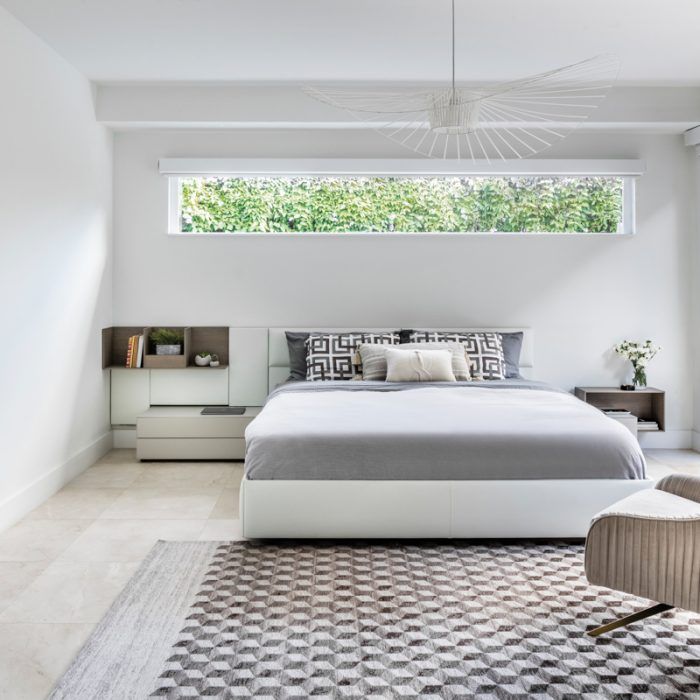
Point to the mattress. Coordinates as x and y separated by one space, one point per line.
509 429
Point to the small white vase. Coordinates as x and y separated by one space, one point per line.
202 361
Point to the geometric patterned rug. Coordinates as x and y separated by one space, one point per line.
378 620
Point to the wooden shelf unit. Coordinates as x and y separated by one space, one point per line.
647 404
214 339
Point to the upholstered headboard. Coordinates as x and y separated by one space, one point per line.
260 358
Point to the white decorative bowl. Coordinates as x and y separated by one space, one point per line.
202 361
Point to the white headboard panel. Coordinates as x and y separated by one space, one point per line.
260 359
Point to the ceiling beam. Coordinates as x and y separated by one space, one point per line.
123 107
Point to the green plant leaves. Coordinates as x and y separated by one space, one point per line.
166 336
392 204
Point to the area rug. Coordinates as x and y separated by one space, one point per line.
428 620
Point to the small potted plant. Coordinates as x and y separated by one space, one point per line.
167 341
214 360
202 359
639 354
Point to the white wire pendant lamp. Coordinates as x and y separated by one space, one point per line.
499 121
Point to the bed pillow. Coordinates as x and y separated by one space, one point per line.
296 344
373 359
485 350
419 365
460 358
512 347
331 356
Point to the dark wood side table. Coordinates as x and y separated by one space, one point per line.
647 404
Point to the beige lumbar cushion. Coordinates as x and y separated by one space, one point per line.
419 365
372 358
460 357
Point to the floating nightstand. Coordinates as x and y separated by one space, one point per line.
183 432
648 405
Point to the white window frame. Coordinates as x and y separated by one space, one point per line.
175 168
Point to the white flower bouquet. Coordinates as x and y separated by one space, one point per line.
639 354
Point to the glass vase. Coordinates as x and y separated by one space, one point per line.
640 377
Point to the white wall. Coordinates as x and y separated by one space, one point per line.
55 271
580 295
695 294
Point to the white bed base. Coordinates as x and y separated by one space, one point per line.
549 508
272 509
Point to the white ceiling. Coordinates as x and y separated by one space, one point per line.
363 40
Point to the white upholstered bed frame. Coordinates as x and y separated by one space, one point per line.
405 509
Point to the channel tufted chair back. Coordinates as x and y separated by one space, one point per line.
649 545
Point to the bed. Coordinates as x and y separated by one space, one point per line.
357 459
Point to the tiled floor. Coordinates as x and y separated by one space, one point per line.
63 565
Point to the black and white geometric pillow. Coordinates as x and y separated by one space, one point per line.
485 350
331 356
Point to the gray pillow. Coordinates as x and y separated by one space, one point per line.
296 343
512 346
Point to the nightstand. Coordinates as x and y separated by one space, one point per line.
182 432
648 405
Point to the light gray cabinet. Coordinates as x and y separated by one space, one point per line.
134 391
182 432
189 387
130 395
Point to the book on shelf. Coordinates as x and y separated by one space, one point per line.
134 352
130 351
616 412
139 352
647 425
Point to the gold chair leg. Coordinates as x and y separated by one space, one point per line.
629 619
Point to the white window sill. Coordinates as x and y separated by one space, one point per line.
397 234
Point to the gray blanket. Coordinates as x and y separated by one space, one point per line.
512 429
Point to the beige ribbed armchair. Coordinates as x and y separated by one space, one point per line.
649 545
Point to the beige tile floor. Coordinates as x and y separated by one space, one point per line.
63 565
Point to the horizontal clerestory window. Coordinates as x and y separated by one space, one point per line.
377 199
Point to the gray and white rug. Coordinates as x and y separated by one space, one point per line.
456 620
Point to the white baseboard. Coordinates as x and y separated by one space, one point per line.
669 440
15 507
124 438
696 440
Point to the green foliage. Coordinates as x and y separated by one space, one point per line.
166 336
388 204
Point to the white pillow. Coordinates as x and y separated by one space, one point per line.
460 357
372 359
419 365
